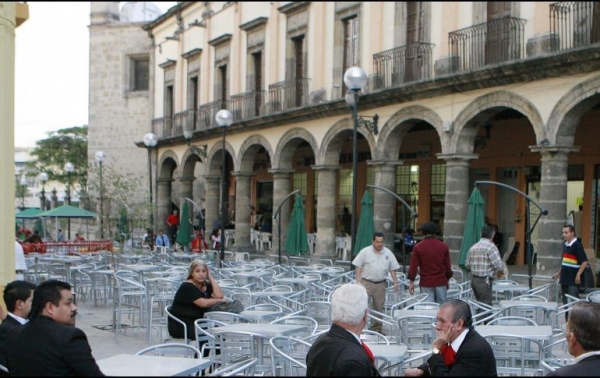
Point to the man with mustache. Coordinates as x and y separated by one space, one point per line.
50 344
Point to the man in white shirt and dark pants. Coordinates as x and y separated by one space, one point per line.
373 263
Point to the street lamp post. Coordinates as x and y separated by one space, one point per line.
150 141
43 179
355 79
23 183
100 156
69 168
224 119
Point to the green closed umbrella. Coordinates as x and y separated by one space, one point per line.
366 225
297 240
473 226
184 235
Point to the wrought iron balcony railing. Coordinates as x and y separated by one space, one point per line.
403 64
575 23
207 113
493 42
248 105
287 95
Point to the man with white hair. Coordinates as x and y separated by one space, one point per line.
339 351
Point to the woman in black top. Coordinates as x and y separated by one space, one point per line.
195 296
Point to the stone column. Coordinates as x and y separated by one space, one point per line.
457 195
553 194
281 188
212 203
163 202
326 210
242 211
384 204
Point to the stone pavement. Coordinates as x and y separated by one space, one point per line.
92 319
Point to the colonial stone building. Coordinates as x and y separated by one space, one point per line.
500 92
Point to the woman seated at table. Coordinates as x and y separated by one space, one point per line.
198 294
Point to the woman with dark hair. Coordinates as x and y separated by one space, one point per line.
215 238
194 297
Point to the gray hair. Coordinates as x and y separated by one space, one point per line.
584 321
348 304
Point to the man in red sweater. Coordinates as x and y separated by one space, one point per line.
432 257
173 222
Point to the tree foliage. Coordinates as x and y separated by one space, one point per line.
65 145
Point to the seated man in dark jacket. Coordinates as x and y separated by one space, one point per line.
50 344
339 352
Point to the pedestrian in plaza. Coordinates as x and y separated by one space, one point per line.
340 352
198 294
20 263
582 332
162 240
432 259
173 222
215 238
373 264
59 236
50 344
574 261
458 349
17 297
485 264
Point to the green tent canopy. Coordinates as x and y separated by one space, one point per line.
366 225
184 233
297 240
67 211
473 225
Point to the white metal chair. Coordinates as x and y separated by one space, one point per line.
264 241
512 321
171 350
320 311
312 242
243 368
516 354
185 339
308 322
373 337
417 331
206 341
131 299
229 238
288 356
225 317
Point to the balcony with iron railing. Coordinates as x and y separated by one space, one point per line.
574 24
401 65
248 105
493 42
287 95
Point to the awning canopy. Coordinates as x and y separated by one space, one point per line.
67 211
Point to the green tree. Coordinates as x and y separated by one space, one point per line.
62 146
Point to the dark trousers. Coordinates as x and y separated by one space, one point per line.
571 290
482 289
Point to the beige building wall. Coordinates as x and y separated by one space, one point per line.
118 115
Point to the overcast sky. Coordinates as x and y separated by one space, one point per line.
51 70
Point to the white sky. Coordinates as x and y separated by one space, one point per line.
51 70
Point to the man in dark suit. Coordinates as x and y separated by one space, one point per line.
50 344
582 332
458 350
339 352
17 297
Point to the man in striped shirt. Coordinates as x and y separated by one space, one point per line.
485 263
573 264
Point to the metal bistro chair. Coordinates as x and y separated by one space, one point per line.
131 300
308 322
241 368
207 342
185 339
516 355
171 350
288 356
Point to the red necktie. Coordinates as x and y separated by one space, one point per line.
449 355
368 352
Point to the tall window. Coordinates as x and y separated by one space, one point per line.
350 44
257 82
222 92
140 74
169 106
438 194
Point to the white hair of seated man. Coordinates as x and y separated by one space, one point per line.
349 303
